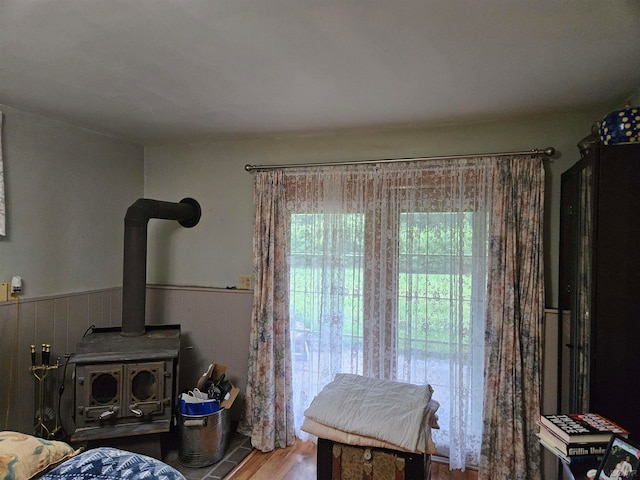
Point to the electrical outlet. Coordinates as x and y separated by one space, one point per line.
4 291
245 282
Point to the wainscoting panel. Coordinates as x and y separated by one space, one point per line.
58 321
214 324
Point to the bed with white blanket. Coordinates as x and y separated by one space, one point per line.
375 416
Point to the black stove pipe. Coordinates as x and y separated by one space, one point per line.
134 279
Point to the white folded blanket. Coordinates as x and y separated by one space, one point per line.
391 411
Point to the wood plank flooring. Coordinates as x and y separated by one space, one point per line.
298 462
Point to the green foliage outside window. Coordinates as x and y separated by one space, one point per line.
434 273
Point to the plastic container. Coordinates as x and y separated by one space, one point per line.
202 439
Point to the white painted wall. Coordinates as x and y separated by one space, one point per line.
217 251
67 191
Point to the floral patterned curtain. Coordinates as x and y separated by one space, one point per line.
268 418
383 270
515 314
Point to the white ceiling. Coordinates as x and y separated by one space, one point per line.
155 70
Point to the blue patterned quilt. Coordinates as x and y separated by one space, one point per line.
108 463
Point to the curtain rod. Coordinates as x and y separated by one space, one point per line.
549 151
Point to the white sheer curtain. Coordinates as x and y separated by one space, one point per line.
2 211
387 278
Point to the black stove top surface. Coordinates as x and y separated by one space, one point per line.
108 345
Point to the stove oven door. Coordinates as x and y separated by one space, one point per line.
144 395
99 392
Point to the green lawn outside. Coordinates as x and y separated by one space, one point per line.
426 315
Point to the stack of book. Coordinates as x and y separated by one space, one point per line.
578 437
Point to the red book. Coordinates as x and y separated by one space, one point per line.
582 427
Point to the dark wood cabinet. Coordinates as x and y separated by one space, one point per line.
599 279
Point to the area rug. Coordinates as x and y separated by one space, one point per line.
237 450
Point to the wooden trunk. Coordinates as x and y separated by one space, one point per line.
337 461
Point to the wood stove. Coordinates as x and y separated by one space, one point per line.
125 385
126 378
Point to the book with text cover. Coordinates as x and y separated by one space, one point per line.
582 427
573 450
593 460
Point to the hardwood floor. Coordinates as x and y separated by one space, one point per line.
298 462
440 471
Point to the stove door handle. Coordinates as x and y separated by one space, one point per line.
107 414
135 410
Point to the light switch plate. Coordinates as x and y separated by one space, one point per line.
245 282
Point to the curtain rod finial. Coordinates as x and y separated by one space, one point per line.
549 151
248 167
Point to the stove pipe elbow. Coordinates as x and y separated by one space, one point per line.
134 279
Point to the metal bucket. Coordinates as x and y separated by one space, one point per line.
202 439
